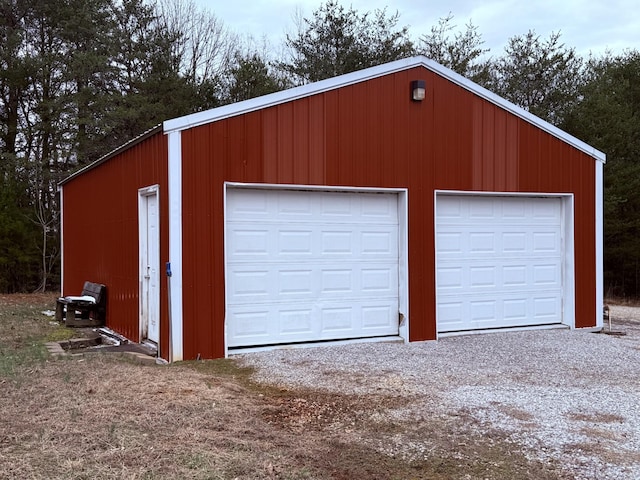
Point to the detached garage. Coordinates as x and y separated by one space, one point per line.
344 210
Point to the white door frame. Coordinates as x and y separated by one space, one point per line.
568 264
149 266
403 242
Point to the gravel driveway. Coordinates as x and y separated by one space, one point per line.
567 397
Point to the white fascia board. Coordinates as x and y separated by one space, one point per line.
234 109
201 118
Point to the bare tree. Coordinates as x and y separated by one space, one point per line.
202 45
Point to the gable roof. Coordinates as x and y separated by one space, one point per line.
207 116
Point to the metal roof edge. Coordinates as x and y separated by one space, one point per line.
125 146
514 109
258 103
246 106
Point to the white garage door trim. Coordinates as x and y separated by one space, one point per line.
402 215
566 263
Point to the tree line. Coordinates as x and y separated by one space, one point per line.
79 78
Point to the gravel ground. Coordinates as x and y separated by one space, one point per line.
570 397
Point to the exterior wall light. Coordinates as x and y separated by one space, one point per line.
418 91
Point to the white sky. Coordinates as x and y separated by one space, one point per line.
587 25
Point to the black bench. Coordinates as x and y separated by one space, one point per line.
90 306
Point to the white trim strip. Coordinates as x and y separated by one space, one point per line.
61 188
175 245
501 194
208 116
323 188
599 245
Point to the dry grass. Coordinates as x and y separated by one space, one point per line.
100 416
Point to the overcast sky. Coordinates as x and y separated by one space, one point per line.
586 25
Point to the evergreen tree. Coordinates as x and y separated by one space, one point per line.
462 53
251 76
335 41
608 117
541 76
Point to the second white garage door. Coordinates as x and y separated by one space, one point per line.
306 266
499 262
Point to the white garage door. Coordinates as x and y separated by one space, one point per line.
308 266
499 262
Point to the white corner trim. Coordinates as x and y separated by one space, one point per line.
599 244
175 244
61 189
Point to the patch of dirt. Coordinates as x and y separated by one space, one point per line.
101 416
596 418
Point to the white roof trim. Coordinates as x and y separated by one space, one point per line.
208 116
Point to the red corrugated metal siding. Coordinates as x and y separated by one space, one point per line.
101 231
371 135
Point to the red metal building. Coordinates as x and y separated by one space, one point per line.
339 211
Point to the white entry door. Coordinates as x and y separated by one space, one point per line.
305 266
499 262
149 241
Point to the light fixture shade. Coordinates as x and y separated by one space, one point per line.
418 90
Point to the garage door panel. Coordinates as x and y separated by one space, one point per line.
326 281
377 280
336 242
302 323
250 323
296 321
489 240
499 262
471 313
547 274
294 242
514 276
514 242
252 205
504 275
303 206
483 277
295 282
546 242
249 243
378 317
250 284
516 210
336 280
324 269
449 242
